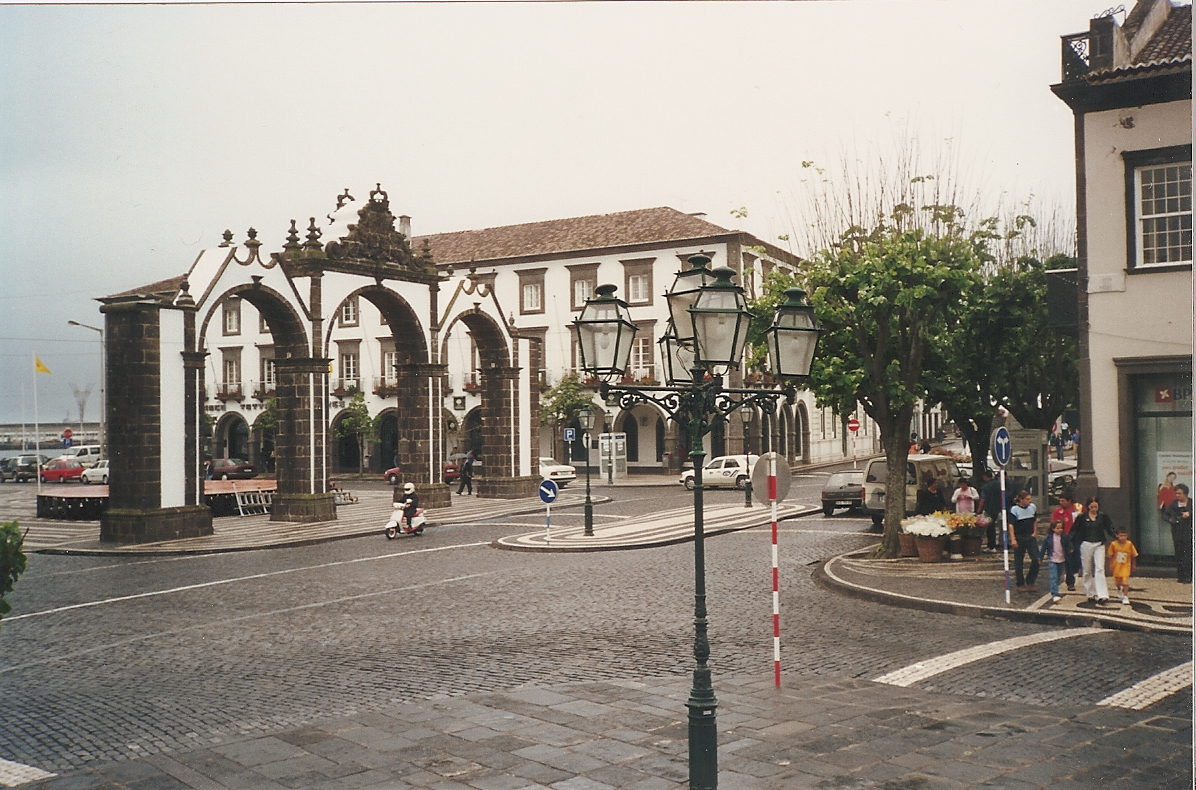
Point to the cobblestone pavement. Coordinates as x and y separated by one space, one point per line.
185 658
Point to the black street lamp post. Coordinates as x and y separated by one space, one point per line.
586 419
696 357
746 411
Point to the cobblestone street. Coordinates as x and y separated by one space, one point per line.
175 654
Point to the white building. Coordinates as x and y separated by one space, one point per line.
540 274
1129 86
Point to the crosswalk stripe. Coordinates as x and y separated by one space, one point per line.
1156 687
15 774
914 673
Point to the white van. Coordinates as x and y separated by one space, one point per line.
86 454
918 471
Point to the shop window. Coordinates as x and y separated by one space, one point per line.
1163 445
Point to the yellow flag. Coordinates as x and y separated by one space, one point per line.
39 366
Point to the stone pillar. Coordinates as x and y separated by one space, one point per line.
299 445
152 424
500 451
421 431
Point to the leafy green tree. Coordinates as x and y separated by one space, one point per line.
12 562
561 404
882 295
358 423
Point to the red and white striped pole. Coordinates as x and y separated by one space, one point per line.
776 573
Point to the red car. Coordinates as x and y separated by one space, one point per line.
393 475
231 469
62 469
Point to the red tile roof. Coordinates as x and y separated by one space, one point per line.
1172 40
575 234
161 288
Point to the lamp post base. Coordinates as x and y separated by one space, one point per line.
703 740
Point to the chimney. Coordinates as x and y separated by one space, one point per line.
405 225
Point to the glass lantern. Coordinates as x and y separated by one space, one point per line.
605 334
720 323
793 336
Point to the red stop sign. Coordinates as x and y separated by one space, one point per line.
853 425
67 434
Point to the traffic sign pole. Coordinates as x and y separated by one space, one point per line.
1002 452
853 425
776 573
548 494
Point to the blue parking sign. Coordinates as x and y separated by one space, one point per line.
570 434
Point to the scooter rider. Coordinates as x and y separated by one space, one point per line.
409 500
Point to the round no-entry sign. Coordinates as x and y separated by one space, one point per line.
853 425
67 433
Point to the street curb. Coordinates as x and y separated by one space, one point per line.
267 546
824 576
654 544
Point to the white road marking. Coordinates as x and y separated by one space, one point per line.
14 774
223 623
1147 692
914 673
251 577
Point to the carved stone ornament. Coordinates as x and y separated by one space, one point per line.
374 238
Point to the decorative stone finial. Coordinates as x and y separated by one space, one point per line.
228 239
184 298
384 201
313 236
343 199
292 245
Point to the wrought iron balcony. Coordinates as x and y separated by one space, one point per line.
1075 56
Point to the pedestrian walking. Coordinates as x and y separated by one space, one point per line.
1067 512
964 498
1056 551
1092 529
466 474
1123 561
1024 541
1179 515
990 506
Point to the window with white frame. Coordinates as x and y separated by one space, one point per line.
531 291
269 374
583 291
583 280
231 317
1159 207
349 312
232 370
349 369
390 361
637 281
642 357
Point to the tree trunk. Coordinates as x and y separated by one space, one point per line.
360 456
894 439
977 432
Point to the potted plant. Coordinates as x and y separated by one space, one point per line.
930 533
968 529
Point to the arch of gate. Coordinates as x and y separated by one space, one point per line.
510 408
421 384
156 352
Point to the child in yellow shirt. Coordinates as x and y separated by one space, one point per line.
1122 560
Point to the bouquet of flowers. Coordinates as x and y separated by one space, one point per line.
963 524
932 526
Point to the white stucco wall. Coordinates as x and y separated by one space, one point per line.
1130 315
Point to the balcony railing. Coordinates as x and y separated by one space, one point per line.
263 390
1075 57
346 388
385 387
229 390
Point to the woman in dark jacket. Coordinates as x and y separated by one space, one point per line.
1092 529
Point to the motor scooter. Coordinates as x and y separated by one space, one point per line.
398 526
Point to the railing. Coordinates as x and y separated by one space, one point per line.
343 388
385 386
262 390
1076 56
229 390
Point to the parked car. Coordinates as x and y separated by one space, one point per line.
725 471
232 469
8 469
560 474
62 469
393 475
919 470
842 489
97 473
452 467
26 468
86 454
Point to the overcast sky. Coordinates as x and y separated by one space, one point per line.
132 136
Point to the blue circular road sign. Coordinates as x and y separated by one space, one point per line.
548 492
1002 447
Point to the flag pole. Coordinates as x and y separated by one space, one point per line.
37 439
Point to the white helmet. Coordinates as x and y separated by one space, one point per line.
409 488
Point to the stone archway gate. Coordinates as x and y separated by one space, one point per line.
156 353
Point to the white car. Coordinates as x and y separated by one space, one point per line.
725 471
97 473
557 473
